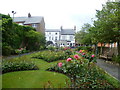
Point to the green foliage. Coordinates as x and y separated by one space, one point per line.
83 36
34 40
6 49
84 48
18 66
21 50
53 56
17 36
82 74
116 59
52 48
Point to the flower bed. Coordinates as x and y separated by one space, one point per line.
51 56
18 65
82 72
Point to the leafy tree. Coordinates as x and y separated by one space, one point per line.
83 36
15 36
34 40
107 25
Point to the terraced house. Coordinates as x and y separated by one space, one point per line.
61 37
35 21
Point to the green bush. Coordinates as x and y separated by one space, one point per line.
52 48
89 49
18 66
116 59
6 50
82 73
21 51
51 56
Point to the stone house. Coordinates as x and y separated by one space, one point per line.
36 22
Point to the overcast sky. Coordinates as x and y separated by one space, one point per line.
56 13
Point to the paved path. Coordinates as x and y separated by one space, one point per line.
14 56
112 69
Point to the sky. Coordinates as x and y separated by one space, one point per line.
56 13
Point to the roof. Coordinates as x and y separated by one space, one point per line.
52 30
28 20
67 32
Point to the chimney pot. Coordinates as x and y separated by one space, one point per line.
29 15
74 27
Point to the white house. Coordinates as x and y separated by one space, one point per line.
61 37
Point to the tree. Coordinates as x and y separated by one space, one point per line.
15 36
107 25
34 40
83 36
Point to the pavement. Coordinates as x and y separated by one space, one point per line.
110 68
14 56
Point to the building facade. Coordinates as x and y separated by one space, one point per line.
36 22
61 37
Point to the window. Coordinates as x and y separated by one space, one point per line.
63 38
55 38
71 37
34 25
49 38
52 38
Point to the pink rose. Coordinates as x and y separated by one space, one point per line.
69 59
76 57
60 64
80 51
93 55
83 53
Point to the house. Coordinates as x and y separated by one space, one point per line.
61 37
35 21
53 35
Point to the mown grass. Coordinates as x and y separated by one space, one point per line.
34 79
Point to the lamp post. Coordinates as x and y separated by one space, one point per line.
13 14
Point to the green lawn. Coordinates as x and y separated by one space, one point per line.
35 78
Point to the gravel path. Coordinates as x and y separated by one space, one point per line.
112 69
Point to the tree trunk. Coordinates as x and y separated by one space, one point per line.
118 47
96 49
101 51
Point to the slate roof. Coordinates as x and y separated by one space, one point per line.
67 32
63 31
28 20
52 30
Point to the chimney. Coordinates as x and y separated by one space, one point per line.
29 15
74 27
61 28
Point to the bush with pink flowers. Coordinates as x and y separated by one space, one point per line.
82 72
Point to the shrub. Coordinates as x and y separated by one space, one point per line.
82 73
18 66
89 49
52 48
116 59
6 50
50 56
21 50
